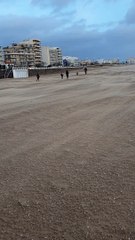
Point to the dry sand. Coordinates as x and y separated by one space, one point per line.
67 156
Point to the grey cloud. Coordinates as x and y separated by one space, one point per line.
6 1
115 43
103 25
75 40
54 3
16 28
111 0
130 16
58 6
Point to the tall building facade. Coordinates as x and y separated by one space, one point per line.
1 56
26 53
35 45
45 55
51 56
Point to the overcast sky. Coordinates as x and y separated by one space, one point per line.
90 29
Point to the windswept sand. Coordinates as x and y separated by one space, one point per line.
67 156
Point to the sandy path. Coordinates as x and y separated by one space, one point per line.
67 156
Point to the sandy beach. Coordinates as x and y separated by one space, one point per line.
67 156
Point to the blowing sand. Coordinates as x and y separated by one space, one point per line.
67 156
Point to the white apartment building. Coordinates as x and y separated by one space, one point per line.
45 56
51 56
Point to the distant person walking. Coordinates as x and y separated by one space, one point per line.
38 76
67 74
61 75
85 70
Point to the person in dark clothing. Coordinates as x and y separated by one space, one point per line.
67 73
61 75
38 76
85 70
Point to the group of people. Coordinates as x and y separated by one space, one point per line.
62 74
67 73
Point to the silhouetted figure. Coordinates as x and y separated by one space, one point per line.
67 73
61 75
76 73
38 76
85 70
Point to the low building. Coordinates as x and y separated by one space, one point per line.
86 62
71 61
131 61
108 61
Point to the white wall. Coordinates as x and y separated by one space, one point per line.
20 72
